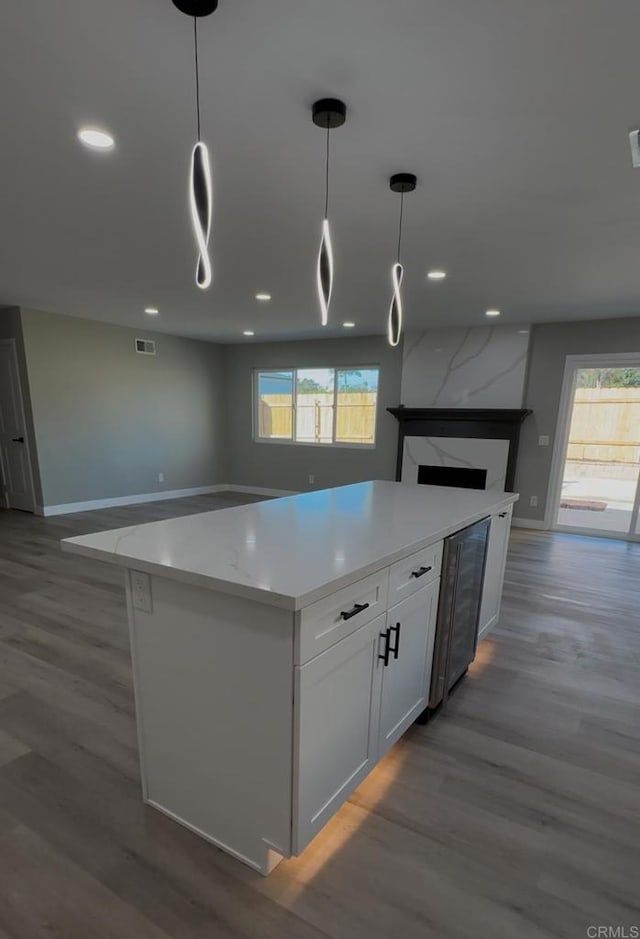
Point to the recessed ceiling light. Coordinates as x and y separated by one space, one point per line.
151 310
437 275
263 296
95 138
248 332
493 313
523 332
348 325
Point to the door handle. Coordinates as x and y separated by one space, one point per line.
17 439
396 648
503 514
386 635
420 572
358 608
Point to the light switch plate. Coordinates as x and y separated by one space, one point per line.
141 592
543 440
634 140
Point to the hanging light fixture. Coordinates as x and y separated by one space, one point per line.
200 182
328 113
401 182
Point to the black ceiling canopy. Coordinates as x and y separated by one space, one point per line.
329 113
403 182
196 7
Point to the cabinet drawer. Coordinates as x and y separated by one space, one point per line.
414 572
331 619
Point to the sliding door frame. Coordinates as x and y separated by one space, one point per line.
572 364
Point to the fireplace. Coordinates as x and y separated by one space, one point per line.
478 447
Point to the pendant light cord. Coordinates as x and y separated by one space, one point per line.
195 44
326 179
400 225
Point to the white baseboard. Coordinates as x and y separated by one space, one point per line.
261 491
529 523
69 508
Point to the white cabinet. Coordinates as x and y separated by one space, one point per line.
337 698
350 707
494 571
306 716
405 680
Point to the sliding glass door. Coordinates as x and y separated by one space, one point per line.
597 479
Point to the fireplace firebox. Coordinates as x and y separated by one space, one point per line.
459 477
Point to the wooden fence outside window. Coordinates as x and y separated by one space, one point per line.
355 418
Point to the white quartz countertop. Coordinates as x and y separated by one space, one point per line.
291 551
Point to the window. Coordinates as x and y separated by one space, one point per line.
317 405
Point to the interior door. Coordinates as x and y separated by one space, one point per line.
337 696
14 452
406 677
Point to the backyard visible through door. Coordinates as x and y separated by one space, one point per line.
599 486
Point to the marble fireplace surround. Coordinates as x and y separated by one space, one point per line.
484 425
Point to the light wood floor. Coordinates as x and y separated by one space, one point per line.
515 814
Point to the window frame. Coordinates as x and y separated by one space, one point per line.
291 441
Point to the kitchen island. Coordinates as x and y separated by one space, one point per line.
264 695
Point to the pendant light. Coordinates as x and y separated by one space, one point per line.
200 182
401 182
327 113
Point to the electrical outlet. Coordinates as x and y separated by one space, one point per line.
543 440
533 501
141 591
160 477
312 479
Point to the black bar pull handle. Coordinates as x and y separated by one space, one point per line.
421 572
503 514
386 635
396 648
358 608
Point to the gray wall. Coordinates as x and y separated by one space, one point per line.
549 345
11 328
107 420
288 466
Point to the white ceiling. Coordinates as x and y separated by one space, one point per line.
513 113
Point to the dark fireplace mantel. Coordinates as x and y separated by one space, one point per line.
487 423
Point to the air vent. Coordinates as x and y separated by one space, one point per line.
145 346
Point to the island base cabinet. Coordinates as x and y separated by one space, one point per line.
335 746
406 678
494 569
353 702
246 749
